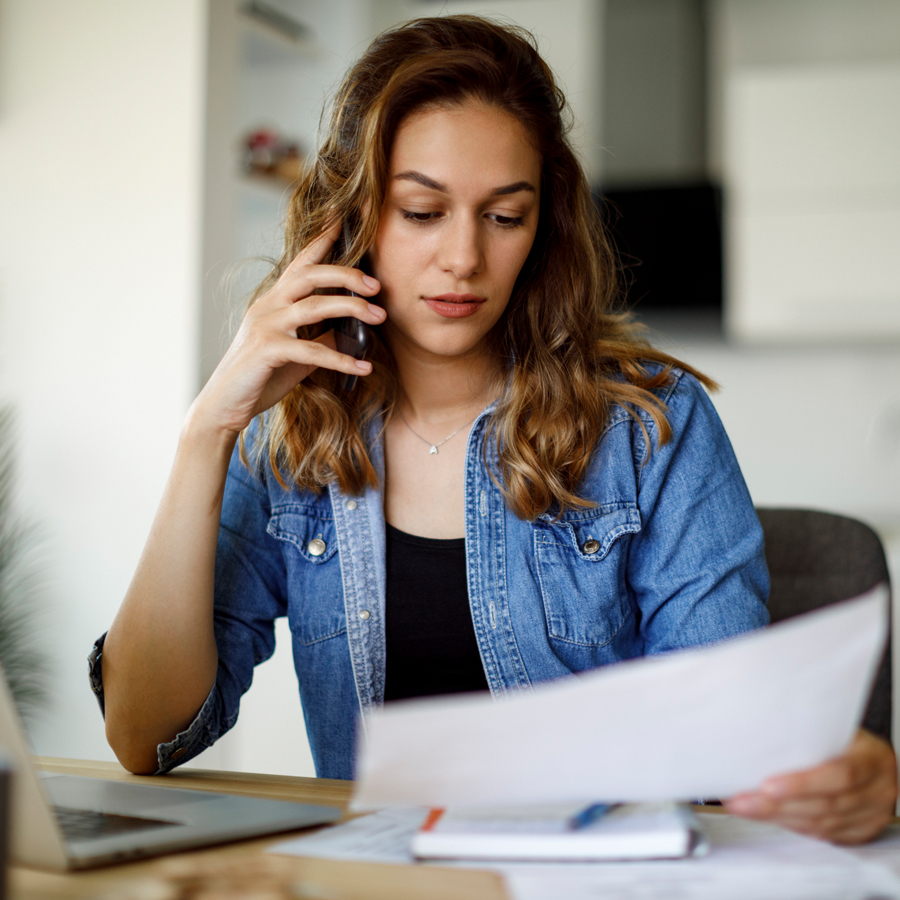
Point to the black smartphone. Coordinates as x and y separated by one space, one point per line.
351 336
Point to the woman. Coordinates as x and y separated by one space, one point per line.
517 487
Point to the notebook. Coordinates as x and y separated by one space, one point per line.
627 831
73 822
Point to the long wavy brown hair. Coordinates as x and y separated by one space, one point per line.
567 356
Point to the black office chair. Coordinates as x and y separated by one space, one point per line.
817 558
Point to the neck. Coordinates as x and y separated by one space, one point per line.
443 394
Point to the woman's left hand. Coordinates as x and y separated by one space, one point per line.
847 800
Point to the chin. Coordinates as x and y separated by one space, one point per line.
447 342
453 350
458 343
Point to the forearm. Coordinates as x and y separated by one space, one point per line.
159 660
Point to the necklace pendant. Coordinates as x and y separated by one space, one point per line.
433 449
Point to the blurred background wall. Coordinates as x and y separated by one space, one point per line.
744 152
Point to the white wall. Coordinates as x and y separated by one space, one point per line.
101 111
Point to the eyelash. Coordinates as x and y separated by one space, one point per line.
418 218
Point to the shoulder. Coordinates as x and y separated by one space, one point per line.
680 397
680 388
676 438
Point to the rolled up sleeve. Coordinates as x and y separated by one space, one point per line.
199 735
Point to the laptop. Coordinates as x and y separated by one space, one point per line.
64 822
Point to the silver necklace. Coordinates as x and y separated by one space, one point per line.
433 448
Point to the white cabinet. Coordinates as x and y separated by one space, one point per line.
809 121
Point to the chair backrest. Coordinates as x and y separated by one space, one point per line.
816 558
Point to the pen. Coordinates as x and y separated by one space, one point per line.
589 815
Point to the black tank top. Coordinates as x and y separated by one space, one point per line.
430 640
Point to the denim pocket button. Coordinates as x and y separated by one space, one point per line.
364 614
581 563
317 547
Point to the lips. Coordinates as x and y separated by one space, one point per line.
455 306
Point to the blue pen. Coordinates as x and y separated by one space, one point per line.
589 815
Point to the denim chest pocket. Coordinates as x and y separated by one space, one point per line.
581 562
315 589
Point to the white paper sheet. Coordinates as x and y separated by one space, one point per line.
747 861
383 837
756 880
885 849
707 722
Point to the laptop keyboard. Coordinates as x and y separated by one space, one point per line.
84 824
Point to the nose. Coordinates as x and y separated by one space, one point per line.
461 251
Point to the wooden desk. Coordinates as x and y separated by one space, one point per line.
326 879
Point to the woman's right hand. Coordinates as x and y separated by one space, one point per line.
266 359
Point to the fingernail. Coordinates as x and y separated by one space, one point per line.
362 364
369 282
376 310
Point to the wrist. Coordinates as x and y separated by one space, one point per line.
201 433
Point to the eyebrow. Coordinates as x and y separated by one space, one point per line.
425 181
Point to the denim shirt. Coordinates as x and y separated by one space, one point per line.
671 556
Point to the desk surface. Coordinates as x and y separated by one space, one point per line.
318 878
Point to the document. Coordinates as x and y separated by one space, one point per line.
700 723
885 849
746 861
383 837
710 881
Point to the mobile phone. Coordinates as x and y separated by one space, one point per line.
351 336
